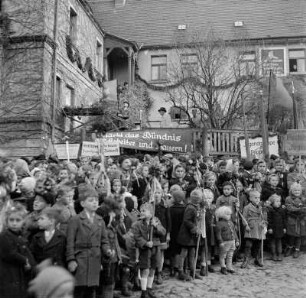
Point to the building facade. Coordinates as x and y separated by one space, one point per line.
273 33
51 58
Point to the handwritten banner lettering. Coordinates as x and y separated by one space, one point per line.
169 140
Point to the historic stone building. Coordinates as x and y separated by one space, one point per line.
51 57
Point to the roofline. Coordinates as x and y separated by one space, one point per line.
89 13
251 41
133 43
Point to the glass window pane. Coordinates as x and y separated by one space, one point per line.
163 72
296 53
159 60
154 75
301 65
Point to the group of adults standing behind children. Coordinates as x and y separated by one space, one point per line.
119 224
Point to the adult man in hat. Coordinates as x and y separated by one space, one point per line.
165 118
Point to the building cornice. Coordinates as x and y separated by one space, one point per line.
43 38
266 41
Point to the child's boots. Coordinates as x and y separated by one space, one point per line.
159 278
296 253
183 276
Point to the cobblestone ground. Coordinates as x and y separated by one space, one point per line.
275 280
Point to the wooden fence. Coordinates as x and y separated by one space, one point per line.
221 142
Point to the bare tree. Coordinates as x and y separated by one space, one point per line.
213 77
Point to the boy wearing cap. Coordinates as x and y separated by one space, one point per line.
86 240
31 227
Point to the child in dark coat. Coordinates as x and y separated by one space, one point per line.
162 212
276 226
176 214
16 260
270 187
49 243
189 232
86 240
31 223
296 219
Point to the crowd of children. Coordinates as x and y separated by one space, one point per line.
101 225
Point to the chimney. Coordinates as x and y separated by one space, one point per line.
119 3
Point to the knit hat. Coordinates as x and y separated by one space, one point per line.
21 168
48 198
196 196
248 165
178 196
86 191
49 280
27 184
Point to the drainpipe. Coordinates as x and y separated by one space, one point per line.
54 66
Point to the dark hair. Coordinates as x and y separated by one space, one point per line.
222 163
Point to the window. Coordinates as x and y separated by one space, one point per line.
69 102
247 63
178 114
297 60
99 56
159 68
189 63
73 25
58 99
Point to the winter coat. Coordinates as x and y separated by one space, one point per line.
296 216
256 219
210 222
177 216
141 231
268 190
163 214
54 249
229 201
66 212
139 187
225 231
111 232
283 182
110 265
14 252
84 243
277 221
188 231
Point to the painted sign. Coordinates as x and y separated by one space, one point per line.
256 147
169 140
274 60
295 142
61 151
110 148
90 149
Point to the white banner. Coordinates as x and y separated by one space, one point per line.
111 148
90 149
256 148
61 151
